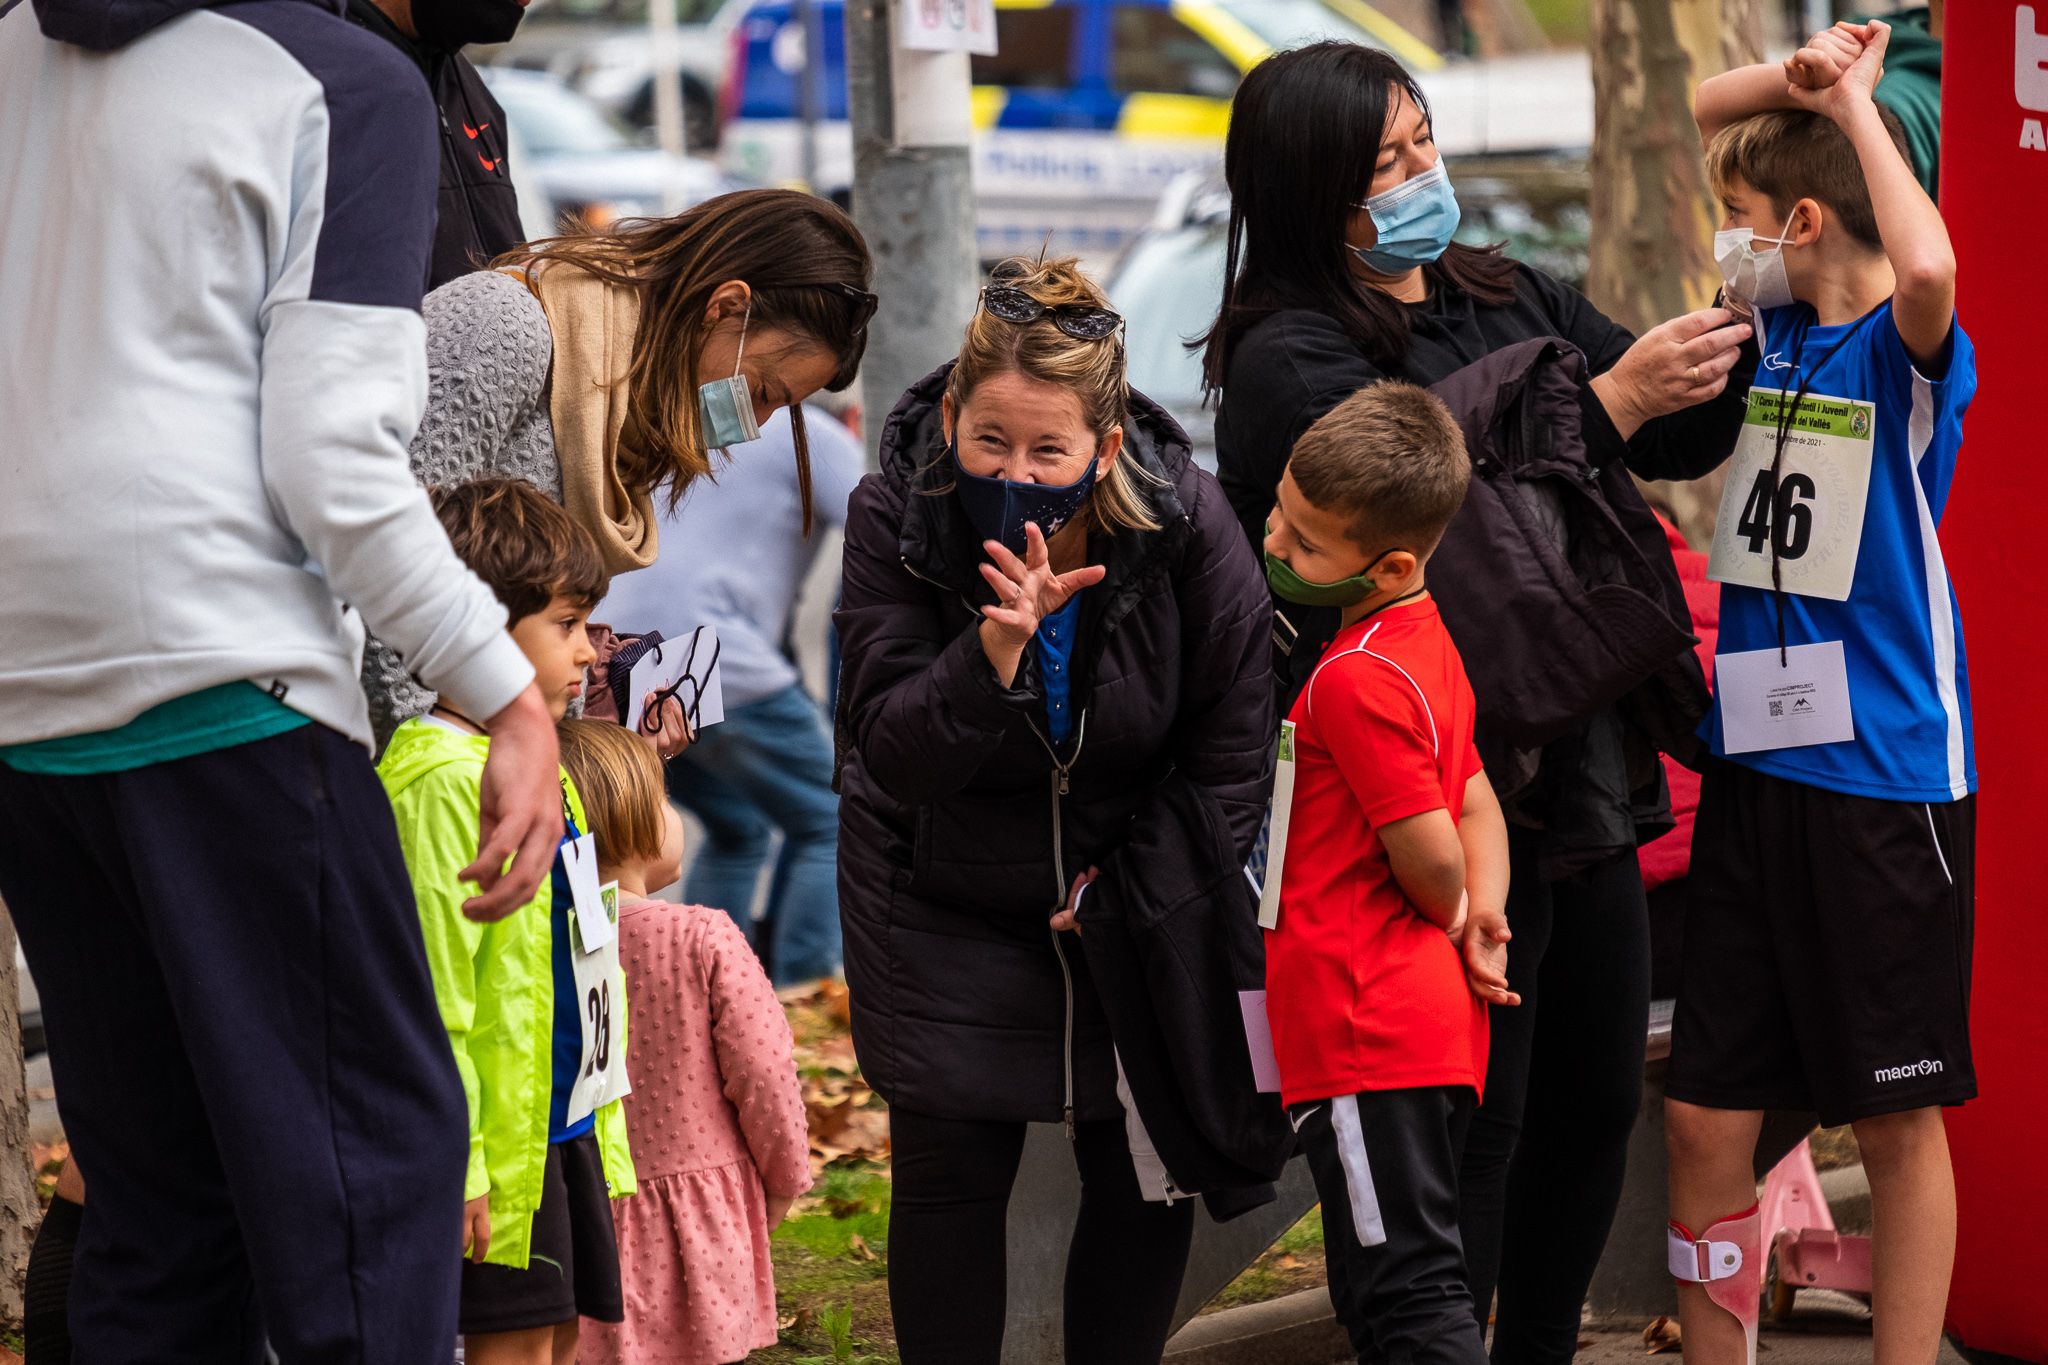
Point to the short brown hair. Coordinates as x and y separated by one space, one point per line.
522 543
1392 458
619 778
1791 154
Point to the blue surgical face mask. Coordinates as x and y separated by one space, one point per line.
1415 221
725 407
999 509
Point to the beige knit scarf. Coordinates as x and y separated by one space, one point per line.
594 322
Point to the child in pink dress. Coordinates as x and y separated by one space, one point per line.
716 1117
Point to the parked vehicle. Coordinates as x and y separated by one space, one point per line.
1169 282
1085 114
587 163
600 48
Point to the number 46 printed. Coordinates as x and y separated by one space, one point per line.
1779 514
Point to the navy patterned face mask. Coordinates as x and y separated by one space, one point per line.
999 509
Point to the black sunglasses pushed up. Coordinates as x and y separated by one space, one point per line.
864 304
1081 321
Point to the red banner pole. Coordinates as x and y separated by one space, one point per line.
1994 182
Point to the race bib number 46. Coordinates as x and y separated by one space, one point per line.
1810 515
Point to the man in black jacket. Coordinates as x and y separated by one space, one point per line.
478 212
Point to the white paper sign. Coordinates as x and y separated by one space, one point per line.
948 25
1258 1036
689 666
601 997
1811 515
579 860
1276 837
1769 705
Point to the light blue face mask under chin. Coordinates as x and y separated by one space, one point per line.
725 407
1414 221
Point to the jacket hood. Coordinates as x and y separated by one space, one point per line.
103 25
419 747
1912 47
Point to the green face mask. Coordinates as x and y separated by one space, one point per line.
1290 586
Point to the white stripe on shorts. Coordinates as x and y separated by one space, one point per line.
1365 1201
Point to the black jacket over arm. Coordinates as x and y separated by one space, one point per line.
949 863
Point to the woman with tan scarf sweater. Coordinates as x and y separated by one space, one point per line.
576 363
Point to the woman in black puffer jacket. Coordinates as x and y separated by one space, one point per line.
1083 732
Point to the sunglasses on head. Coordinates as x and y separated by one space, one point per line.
864 303
1081 321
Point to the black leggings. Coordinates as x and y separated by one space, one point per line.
1546 1152
948 1223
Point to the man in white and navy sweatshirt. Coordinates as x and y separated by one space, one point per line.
216 222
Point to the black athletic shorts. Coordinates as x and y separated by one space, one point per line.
574 1267
1827 951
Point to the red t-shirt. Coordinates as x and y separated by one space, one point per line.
1362 992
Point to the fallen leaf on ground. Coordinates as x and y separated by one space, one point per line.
1661 1336
858 1246
1288 1261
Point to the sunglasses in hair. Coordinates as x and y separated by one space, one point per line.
864 304
1081 321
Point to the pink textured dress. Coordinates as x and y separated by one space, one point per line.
715 1116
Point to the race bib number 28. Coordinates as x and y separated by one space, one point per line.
1809 515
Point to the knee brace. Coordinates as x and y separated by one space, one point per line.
1727 1261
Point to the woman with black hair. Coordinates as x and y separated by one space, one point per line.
1341 271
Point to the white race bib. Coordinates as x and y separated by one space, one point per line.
1276 836
1769 703
1813 512
601 1001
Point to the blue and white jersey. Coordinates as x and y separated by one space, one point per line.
1899 625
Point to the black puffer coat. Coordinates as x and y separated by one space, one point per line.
949 860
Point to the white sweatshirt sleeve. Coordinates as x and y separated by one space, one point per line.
344 377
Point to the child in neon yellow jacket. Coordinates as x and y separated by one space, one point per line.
547 1146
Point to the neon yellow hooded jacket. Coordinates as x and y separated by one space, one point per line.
494 983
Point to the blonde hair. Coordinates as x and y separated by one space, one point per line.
1093 371
619 778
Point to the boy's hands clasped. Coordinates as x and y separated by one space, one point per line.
1838 65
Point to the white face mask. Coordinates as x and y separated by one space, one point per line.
1756 280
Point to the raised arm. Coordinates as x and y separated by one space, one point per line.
924 705
1915 237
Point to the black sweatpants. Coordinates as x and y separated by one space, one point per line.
948 1223
1547 1149
247 1057
1385 1164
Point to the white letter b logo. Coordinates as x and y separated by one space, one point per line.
2029 61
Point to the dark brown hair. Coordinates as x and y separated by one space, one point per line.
1305 133
1793 154
523 544
808 269
1390 457
618 776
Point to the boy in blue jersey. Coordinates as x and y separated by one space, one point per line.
1826 964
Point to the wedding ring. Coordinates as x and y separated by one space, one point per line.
1693 375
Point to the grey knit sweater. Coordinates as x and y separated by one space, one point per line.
489 354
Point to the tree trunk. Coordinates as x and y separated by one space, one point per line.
1653 213
20 1214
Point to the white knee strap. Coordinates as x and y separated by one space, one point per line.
1727 1261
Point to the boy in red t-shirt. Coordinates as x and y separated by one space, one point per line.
1393 875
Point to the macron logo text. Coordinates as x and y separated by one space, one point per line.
1908 1071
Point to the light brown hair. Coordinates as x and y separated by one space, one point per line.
522 543
809 270
1791 154
1392 459
619 778
1093 371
